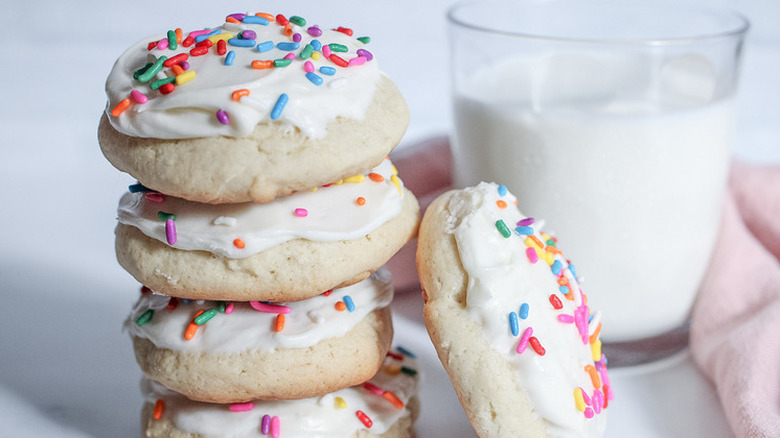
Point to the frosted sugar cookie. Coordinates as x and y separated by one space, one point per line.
509 320
286 250
226 352
258 107
384 407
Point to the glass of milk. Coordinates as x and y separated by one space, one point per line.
611 122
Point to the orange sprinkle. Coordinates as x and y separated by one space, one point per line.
192 328
361 200
340 306
392 398
563 281
501 204
279 322
288 30
231 20
238 243
594 376
552 249
536 241
178 33
595 334
238 94
121 107
268 17
259 65
176 69
159 408
376 177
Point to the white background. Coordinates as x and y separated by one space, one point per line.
67 369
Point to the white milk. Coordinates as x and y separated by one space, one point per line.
634 198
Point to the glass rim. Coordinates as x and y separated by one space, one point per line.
739 29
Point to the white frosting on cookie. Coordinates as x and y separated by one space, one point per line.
328 214
242 327
504 279
330 416
191 109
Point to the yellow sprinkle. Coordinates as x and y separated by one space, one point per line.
316 56
314 189
185 77
392 370
397 182
355 179
338 183
579 401
531 243
222 36
547 256
394 169
595 348
340 403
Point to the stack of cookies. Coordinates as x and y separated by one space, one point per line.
265 208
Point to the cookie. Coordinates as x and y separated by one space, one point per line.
509 320
287 250
385 407
239 351
274 111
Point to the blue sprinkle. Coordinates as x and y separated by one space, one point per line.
564 289
316 44
238 42
556 267
314 78
405 352
253 19
573 271
502 190
523 230
513 324
523 311
326 70
266 46
288 46
136 188
186 300
279 106
350 304
231 56
200 38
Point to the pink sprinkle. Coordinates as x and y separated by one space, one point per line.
138 97
533 257
308 66
326 51
163 44
269 308
524 340
301 212
598 400
170 231
526 222
265 424
586 398
290 56
197 33
581 314
360 60
241 407
565 318
275 427
588 413
370 387
154 197
229 308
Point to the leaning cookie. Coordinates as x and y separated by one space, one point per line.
384 407
227 352
250 110
287 250
509 320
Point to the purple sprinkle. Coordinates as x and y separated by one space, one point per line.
265 425
525 222
170 231
237 17
184 65
297 37
248 34
314 31
223 117
366 54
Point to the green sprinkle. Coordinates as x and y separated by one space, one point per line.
306 52
145 317
364 40
409 371
155 68
163 216
338 47
550 242
502 228
141 71
160 82
298 21
172 44
284 62
221 306
205 317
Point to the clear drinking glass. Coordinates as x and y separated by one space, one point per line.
612 122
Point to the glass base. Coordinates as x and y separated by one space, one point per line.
642 351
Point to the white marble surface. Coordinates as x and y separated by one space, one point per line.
66 368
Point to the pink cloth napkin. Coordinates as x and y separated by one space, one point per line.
735 330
